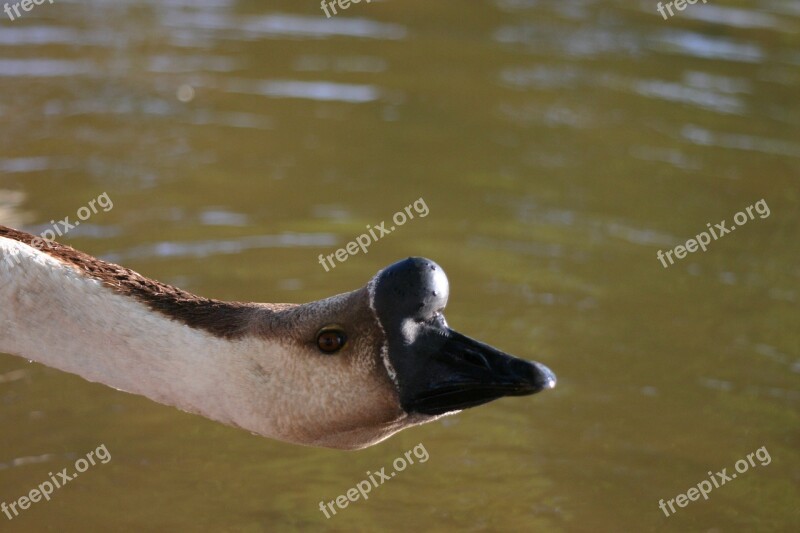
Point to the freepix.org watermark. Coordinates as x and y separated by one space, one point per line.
703 239
343 4
26 5
62 227
364 487
680 5
46 488
720 478
364 240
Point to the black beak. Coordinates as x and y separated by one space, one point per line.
439 370
464 373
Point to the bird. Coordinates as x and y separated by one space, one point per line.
344 372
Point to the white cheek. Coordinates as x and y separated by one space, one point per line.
388 364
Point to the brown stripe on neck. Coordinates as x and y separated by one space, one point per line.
223 319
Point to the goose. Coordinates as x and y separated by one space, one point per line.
344 372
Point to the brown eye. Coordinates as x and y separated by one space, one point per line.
331 340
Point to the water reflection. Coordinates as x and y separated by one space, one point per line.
312 90
221 247
702 46
43 68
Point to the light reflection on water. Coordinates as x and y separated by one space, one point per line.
559 146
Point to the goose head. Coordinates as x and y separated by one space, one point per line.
344 372
366 364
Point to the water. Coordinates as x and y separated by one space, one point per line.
558 146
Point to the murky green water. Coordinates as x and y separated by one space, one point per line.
558 145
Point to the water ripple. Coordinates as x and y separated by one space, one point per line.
704 137
282 25
24 164
43 68
320 27
705 47
27 35
201 249
312 90
29 460
733 17
677 92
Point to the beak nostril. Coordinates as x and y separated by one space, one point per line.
475 358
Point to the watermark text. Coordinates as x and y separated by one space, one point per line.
364 240
718 479
364 487
46 488
62 227
703 239
680 5
343 4
26 5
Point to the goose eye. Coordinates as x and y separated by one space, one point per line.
331 340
